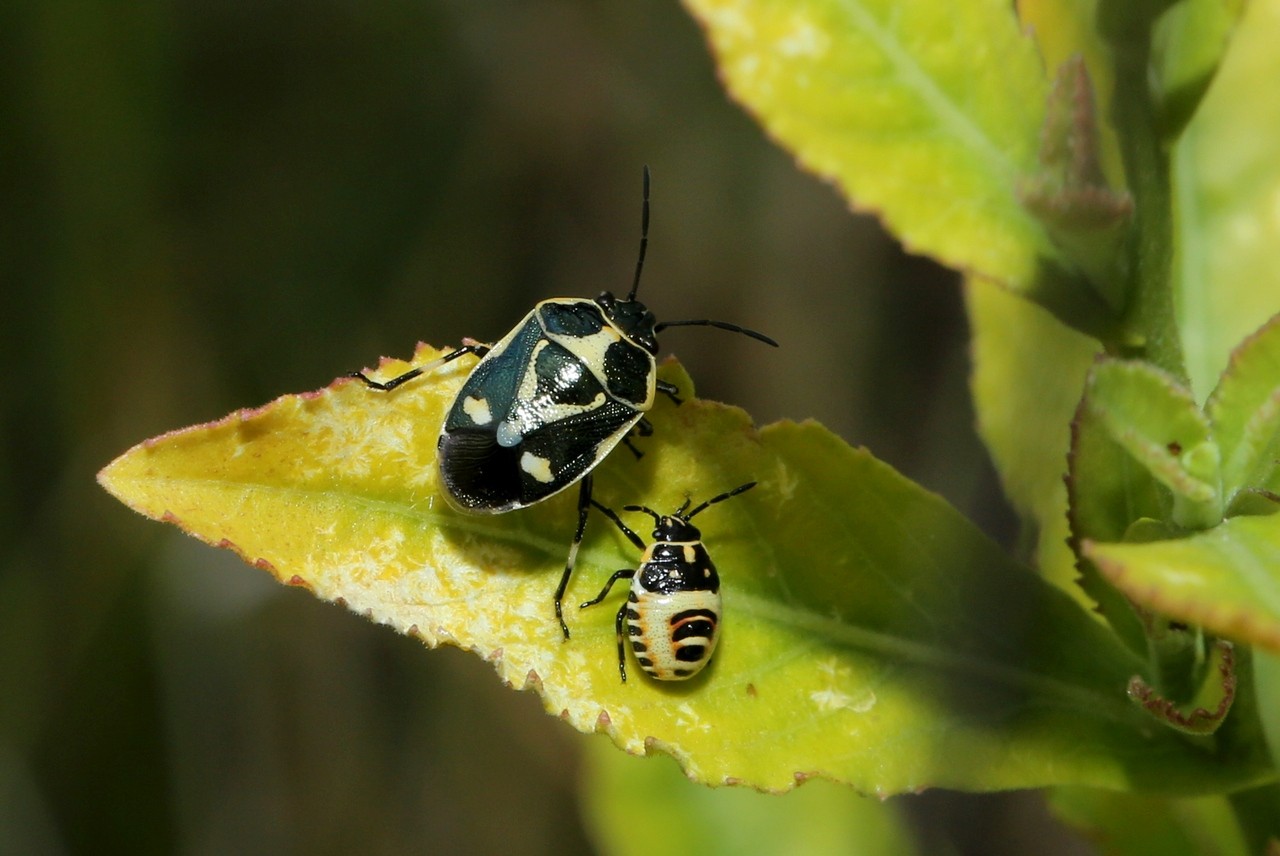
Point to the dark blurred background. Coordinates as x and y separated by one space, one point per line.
206 205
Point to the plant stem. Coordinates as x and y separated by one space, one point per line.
1149 328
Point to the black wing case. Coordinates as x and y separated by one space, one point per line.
477 473
482 475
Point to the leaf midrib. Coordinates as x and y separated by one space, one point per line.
922 82
796 620
901 649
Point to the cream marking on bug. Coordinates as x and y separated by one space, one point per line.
531 414
592 350
539 468
532 411
477 409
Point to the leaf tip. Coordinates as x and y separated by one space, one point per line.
113 478
223 543
654 746
533 681
1071 191
1159 594
604 723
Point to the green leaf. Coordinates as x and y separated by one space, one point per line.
819 818
1187 47
1240 823
1135 825
927 113
870 634
1109 492
1245 410
1028 376
1154 419
1226 183
1226 579
1267 671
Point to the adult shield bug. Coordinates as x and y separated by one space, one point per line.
548 401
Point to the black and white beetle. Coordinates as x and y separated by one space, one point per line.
673 609
550 400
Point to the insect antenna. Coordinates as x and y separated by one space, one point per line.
723 325
657 518
644 236
721 498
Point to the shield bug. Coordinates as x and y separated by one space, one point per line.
672 613
548 401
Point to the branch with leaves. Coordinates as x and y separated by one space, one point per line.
1106 180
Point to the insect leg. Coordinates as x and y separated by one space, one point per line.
643 428
624 574
584 506
387 386
671 391
622 651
